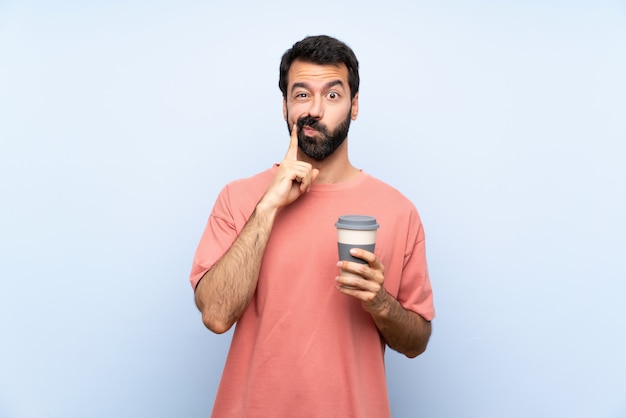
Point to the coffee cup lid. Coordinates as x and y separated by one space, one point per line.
357 222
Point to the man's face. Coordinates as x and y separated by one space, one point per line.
318 101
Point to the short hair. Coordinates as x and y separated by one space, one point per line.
321 50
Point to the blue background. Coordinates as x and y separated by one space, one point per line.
504 122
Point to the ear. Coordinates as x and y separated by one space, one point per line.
355 106
285 109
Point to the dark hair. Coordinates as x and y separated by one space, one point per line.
321 50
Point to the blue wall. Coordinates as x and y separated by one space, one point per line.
503 121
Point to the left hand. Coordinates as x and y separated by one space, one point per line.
368 288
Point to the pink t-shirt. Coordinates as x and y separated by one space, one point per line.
301 348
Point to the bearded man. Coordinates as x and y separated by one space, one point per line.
308 340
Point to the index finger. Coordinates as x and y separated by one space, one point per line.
292 151
365 255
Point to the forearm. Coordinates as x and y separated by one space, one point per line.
225 290
403 330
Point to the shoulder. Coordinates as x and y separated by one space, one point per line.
245 193
391 195
248 184
394 208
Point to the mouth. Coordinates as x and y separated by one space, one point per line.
308 131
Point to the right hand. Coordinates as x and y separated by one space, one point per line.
292 179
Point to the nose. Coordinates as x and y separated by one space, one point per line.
316 109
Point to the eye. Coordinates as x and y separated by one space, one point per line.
333 95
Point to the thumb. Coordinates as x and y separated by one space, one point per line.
314 173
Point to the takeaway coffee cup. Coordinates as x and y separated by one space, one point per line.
355 231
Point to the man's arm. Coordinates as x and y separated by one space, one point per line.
403 330
225 290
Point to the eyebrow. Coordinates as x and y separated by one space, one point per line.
326 86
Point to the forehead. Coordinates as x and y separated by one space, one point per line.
306 72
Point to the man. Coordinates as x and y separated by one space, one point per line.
309 342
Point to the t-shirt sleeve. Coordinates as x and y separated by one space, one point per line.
219 234
415 291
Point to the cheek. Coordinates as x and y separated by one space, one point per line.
339 117
293 113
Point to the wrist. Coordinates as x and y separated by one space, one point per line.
380 307
265 209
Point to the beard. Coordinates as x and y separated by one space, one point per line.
325 142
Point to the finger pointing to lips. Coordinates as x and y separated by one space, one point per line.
292 151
